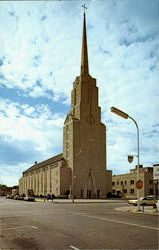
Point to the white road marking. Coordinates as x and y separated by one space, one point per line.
34 227
75 248
117 221
13 228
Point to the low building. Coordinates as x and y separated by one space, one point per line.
47 177
156 179
4 190
15 190
124 185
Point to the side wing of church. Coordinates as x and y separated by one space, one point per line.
81 168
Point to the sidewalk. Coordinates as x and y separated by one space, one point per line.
131 209
82 201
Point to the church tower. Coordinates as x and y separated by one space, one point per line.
84 135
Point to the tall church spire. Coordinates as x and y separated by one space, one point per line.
84 58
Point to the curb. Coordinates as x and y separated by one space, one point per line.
79 201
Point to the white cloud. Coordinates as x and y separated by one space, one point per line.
39 128
10 175
41 50
28 110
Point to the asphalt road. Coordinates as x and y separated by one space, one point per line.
47 225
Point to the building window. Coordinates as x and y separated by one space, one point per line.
124 191
117 182
151 191
121 183
113 183
125 182
35 183
38 183
131 182
132 191
74 96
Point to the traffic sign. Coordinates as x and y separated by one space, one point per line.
139 184
130 158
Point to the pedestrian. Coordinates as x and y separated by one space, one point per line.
47 197
52 197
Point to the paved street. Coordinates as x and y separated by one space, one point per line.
47 225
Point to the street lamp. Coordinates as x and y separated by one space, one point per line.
126 116
73 177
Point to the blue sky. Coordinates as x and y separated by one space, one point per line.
40 55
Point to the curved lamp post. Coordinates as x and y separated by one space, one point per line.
126 116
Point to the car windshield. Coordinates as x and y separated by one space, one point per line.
141 198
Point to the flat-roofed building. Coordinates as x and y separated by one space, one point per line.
124 185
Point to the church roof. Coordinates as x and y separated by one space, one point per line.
45 163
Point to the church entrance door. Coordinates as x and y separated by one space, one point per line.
89 186
89 194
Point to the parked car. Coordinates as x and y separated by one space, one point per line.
8 196
29 198
18 197
12 196
149 201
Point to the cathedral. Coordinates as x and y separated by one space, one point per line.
81 169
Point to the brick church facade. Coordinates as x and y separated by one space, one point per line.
81 168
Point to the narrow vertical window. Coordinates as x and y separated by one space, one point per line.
74 96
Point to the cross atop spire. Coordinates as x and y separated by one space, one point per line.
84 7
84 58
